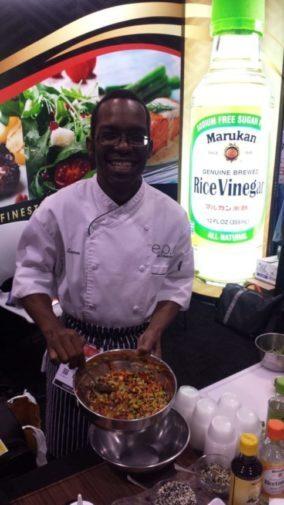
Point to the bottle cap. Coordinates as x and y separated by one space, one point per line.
248 444
237 16
279 385
275 429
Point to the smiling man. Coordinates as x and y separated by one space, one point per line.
113 250
120 140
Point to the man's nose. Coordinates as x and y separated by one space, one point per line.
123 142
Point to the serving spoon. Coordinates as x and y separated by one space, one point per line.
99 386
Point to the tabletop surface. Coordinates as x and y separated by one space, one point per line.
101 484
253 385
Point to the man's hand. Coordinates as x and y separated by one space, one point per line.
163 315
65 346
150 341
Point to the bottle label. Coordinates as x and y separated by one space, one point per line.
228 167
244 492
273 479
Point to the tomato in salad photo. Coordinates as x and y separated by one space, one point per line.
81 71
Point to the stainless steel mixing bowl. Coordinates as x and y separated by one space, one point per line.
123 359
271 348
142 451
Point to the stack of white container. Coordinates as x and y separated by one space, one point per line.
215 427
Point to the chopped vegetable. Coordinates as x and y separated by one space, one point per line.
280 351
135 395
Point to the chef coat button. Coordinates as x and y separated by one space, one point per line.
142 268
95 266
146 227
136 308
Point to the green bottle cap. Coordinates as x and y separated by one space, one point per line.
237 16
279 385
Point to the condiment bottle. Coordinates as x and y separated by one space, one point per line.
276 402
230 110
272 459
246 472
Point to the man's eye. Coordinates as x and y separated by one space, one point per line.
108 136
136 138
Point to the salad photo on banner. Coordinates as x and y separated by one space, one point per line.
44 129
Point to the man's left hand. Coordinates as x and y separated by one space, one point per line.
150 342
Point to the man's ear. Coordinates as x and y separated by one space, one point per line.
150 148
90 146
91 150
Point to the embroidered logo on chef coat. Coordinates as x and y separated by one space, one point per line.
164 251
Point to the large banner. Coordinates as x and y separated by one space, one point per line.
58 61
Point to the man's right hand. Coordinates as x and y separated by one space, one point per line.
65 346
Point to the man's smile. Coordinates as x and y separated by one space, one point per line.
121 163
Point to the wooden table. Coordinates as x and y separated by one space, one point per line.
101 484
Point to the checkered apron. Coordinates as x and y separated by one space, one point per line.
66 425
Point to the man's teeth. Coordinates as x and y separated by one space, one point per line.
121 164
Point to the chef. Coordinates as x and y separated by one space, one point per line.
116 253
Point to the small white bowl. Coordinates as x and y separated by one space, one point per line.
247 421
221 437
228 404
204 411
185 401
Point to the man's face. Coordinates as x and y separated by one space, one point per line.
120 157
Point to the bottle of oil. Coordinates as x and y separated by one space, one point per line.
246 473
229 117
272 458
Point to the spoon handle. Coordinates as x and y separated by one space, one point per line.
180 468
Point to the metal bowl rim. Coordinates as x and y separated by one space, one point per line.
155 466
256 341
100 417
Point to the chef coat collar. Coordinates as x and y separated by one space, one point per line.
106 204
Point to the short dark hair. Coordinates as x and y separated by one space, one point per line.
125 94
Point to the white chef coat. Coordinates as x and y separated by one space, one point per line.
107 264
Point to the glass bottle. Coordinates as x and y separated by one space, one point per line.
276 402
230 112
272 458
246 470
